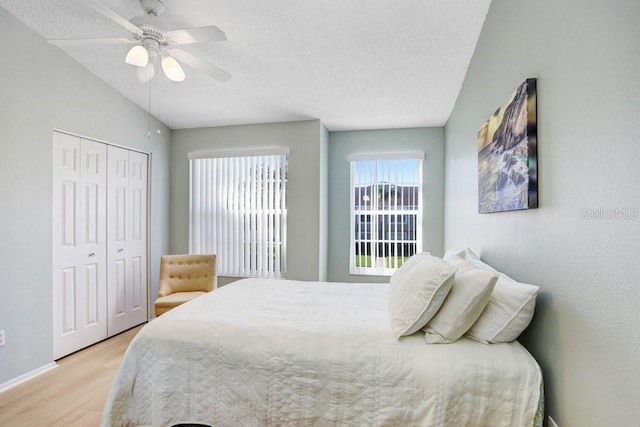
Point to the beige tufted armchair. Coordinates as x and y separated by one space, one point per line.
183 278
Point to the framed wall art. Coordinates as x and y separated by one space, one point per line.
507 154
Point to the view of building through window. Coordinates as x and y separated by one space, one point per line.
386 214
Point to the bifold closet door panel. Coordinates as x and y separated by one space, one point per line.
127 239
138 185
79 243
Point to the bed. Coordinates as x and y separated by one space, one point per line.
288 353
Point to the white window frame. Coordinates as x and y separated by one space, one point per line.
375 208
239 213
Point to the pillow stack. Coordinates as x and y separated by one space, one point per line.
458 296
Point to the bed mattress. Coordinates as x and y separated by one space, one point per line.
262 352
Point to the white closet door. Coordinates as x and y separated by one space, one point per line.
127 239
79 243
138 237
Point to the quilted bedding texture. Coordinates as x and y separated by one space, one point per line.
264 352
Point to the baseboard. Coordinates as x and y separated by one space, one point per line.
26 377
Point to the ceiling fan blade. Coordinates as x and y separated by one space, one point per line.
210 33
114 16
80 42
200 65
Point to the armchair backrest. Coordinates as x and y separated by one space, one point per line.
187 273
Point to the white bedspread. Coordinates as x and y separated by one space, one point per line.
284 353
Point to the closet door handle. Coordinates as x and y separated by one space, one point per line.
92 254
120 250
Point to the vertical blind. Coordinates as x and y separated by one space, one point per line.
238 212
386 211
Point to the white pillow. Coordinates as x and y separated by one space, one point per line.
417 290
469 295
451 253
453 257
467 254
508 312
510 308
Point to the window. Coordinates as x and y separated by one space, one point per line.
386 211
238 211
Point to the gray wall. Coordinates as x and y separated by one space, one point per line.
341 144
41 88
304 188
586 332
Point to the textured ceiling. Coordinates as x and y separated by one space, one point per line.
365 64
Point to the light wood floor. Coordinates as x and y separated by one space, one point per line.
73 394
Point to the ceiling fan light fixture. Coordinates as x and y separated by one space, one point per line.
138 56
145 74
172 69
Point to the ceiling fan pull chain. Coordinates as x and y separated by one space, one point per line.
150 82
158 132
149 114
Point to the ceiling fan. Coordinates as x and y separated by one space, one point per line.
151 43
